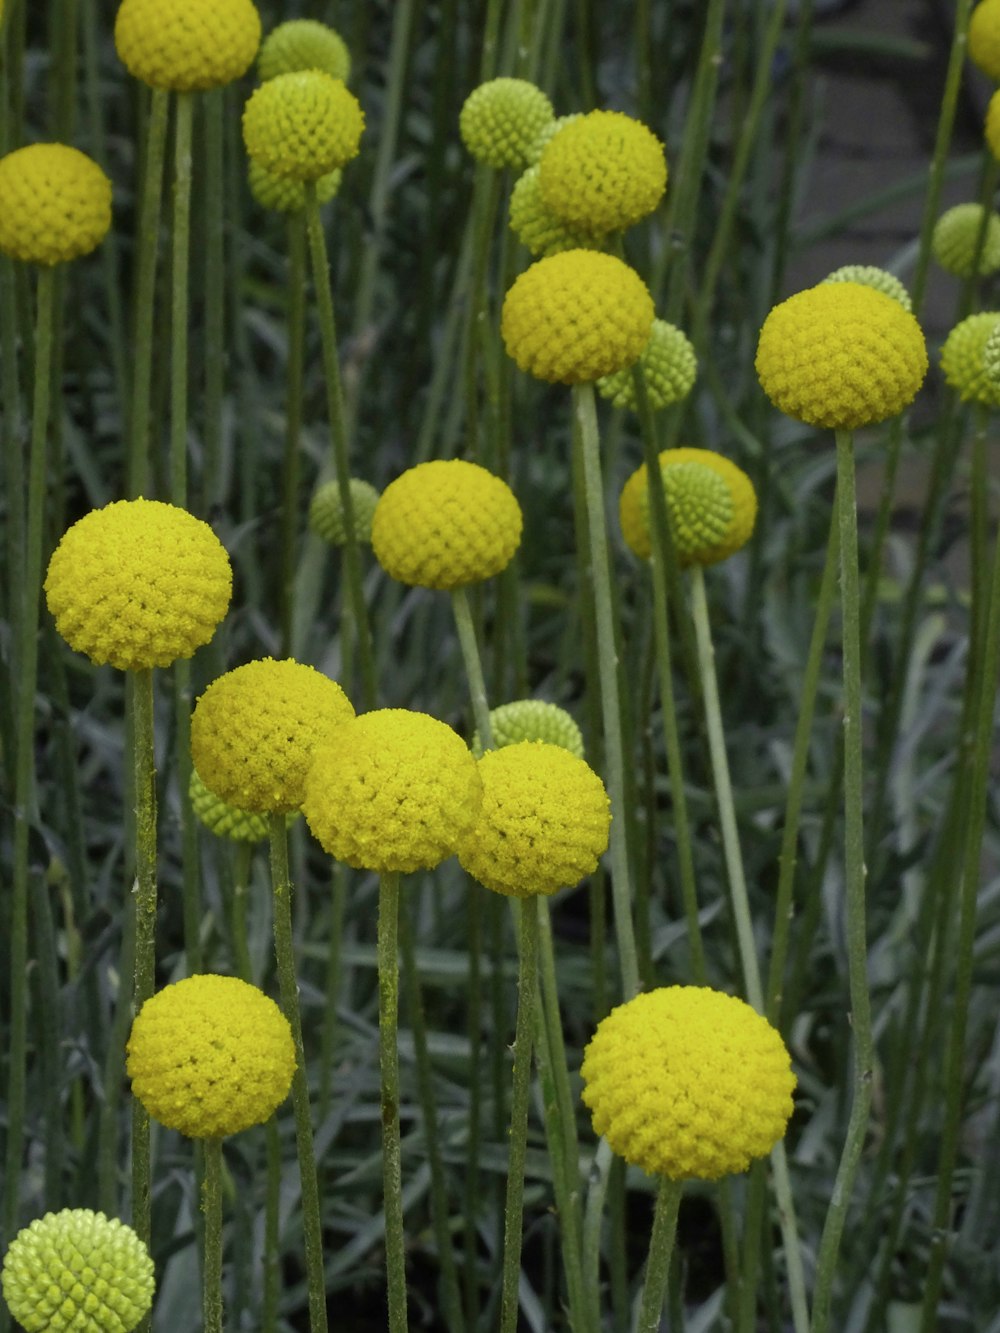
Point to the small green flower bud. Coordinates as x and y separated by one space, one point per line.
532 720
326 513
870 276
669 367
303 44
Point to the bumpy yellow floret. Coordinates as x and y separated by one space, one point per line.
326 513
543 823
669 368
576 316
963 359
545 134
603 172
537 227
531 720
138 584
56 204
841 355
984 38
688 1083
254 731
445 524
303 125
868 275
303 44
955 238
283 195
187 45
501 120
392 791
711 504
210 1056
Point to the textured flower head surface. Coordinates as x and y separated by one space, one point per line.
543 823
326 513
991 356
303 125
282 195
984 38
532 720
210 1056
573 317
187 45
445 524
537 227
603 172
303 44
138 584
956 237
254 731
963 359
868 275
549 129
392 791
711 503
841 355
669 368
688 1083
56 204
223 819
77 1270
500 121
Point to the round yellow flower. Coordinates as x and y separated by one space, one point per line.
210 1056
282 195
326 513
531 720
138 584
303 125
77 1270
984 38
445 524
954 239
711 504
500 121
603 172
56 204
254 731
669 368
963 359
841 355
187 45
868 275
537 227
303 44
392 791
543 823
573 317
688 1083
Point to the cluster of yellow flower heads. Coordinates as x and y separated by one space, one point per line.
537 227
56 204
669 369
138 584
841 355
984 38
326 512
531 720
299 44
956 237
445 524
602 172
963 359
868 275
501 120
392 791
302 125
77 1270
711 504
187 45
254 731
210 1056
688 1083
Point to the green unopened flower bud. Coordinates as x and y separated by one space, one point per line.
303 44
501 120
326 512
963 359
669 367
545 134
283 195
953 242
532 720
991 357
537 227
225 821
870 276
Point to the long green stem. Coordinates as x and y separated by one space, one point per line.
214 108
179 300
293 421
145 924
392 1173
661 1247
473 666
211 1203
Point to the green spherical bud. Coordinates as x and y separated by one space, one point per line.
669 367
532 720
954 241
545 134
501 120
537 228
282 195
963 359
870 276
326 513
303 44
991 356
225 821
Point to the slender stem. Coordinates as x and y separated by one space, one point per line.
179 299
272 1238
473 666
214 109
211 1203
144 893
334 978
392 1174
293 420
661 1247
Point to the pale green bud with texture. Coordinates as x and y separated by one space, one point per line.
501 119
868 275
545 134
222 819
963 359
537 227
991 357
669 367
531 720
303 44
280 194
326 512
955 237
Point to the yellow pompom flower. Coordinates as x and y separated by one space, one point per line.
500 121
301 44
445 524
963 359
537 227
688 1083
210 1056
56 204
543 823
138 584
77 1270
531 720
603 172
392 791
711 504
871 276
187 46
573 317
326 513
953 242
669 368
841 355
282 195
984 38
255 729
303 125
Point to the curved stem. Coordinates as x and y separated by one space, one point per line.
392 1174
211 1203
661 1247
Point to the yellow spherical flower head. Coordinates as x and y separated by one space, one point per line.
688 1083
303 125
841 355
669 368
956 238
603 172
531 720
210 1056
255 729
56 204
77 1270
984 38
573 317
138 584
392 791
537 227
711 504
303 44
871 276
187 45
445 524
282 195
545 134
963 359
543 823
326 512
500 121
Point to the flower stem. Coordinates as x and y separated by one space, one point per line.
144 893
211 1203
293 420
392 1174
661 1247
214 108
473 665
179 299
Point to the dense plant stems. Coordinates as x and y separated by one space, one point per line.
388 1020
211 1203
661 1247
